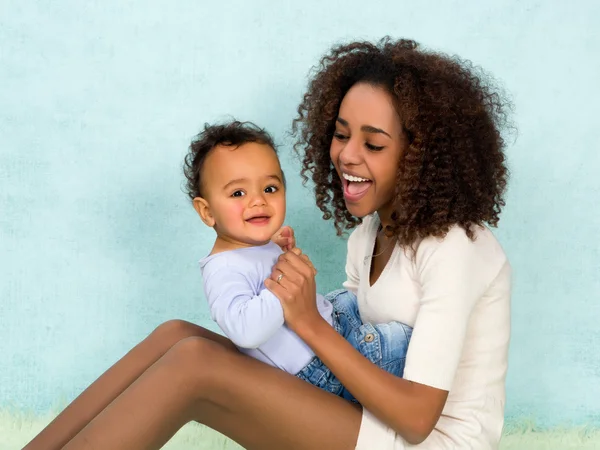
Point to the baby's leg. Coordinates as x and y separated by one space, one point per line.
385 345
116 379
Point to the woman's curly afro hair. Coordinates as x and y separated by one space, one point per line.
453 170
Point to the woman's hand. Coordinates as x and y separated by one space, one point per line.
292 281
285 238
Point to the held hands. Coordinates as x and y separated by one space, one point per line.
292 281
284 238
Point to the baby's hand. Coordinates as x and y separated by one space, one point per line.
285 238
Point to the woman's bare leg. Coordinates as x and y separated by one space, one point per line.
256 405
116 379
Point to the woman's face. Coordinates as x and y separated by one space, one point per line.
366 148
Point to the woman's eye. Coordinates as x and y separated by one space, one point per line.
374 148
238 194
340 136
271 189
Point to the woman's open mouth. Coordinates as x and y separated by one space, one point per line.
355 187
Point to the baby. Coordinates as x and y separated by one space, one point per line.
238 188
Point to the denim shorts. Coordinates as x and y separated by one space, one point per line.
385 345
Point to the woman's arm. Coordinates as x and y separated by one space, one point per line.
411 409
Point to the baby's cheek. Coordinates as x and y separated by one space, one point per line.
235 213
282 205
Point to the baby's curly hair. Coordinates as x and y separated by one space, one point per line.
453 171
233 133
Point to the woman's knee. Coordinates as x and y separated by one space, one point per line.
174 330
198 360
171 332
196 349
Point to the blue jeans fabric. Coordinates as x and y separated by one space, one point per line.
385 345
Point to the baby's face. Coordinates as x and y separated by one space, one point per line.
245 193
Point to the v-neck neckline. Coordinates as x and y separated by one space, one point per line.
371 250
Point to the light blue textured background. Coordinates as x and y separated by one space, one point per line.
98 102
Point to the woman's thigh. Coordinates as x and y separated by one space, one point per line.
264 408
258 406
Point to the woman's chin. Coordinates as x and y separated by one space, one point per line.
359 210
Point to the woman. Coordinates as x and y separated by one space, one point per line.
409 142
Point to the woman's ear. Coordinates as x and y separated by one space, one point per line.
203 209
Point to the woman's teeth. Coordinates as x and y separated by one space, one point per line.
354 179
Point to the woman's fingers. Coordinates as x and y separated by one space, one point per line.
301 263
278 290
308 262
284 270
292 270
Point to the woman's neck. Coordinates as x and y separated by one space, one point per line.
385 219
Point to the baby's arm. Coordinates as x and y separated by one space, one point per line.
247 319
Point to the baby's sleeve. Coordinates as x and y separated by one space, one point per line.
247 319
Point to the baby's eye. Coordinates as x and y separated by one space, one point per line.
238 194
271 189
